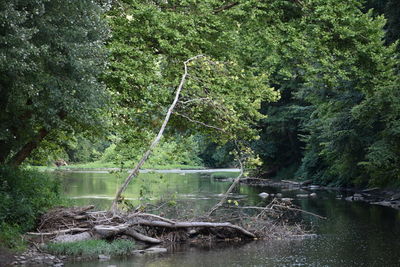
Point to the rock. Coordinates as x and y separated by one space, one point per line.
111 265
395 197
104 257
279 195
302 195
287 199
349 198
313 195
263 195
358 197
156 250
72 238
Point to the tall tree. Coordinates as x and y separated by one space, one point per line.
51 53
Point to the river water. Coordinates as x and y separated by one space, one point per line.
355 234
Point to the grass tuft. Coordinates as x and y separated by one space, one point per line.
92 248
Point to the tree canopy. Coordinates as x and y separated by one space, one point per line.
51 54
310 85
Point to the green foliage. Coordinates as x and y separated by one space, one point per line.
150 42
92 248
24 195
51 53
173 151
10 237
337 119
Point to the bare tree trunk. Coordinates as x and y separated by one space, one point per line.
156 140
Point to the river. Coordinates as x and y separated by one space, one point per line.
355 234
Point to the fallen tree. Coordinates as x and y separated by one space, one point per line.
231 222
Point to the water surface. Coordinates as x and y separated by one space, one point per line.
355 234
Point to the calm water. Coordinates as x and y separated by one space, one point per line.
355 234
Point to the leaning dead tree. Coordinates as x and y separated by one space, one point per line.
157 139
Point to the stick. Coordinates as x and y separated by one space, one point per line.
235 182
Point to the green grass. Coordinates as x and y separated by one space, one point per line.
91 248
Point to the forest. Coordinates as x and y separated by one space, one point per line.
315 84
297 89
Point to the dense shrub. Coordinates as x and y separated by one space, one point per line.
24 195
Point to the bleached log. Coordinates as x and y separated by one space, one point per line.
196 225
106 231
59 232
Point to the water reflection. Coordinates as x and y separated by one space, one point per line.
355 234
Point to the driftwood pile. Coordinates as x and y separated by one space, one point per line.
83 223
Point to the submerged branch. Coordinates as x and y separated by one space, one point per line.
233 185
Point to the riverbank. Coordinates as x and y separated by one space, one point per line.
374 196
99 166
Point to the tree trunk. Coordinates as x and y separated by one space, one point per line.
156 140
27 149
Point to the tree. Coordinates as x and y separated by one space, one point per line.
51 54
151 40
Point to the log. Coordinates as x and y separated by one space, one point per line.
106 231
60 231
178 225
138 236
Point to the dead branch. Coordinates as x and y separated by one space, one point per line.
225 7
153 216
300 210
144 238
198 122
233 185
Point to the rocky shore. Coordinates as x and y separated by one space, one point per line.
374 196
